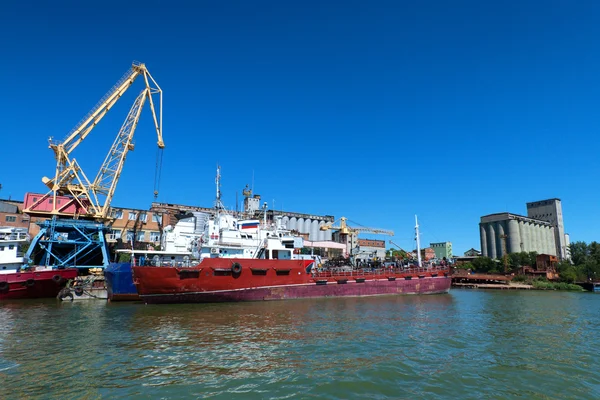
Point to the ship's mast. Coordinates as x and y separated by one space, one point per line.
418 241
218 204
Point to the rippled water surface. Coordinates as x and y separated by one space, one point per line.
467 344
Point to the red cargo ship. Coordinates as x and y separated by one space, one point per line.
274 275
35 283
222 279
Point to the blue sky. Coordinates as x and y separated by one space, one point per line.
371 110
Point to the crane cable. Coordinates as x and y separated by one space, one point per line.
158 171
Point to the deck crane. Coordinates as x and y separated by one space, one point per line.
348 234
92 199
75 234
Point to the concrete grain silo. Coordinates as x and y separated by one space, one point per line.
517 233
314 230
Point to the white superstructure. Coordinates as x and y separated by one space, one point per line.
11 255
198 236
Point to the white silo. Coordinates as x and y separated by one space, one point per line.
300 225
321 235
307 225
314 230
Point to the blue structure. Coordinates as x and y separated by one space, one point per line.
119 282
64 243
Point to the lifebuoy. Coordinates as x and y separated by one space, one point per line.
236 268
3 287
57 278
29 282
78 291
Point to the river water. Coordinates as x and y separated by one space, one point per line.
468 344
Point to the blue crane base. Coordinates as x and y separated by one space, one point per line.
66 243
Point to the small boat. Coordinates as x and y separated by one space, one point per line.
275 275
20 281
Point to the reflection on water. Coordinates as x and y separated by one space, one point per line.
468 344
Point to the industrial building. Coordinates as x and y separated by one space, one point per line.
304 224
442 250
369 249
130 224
541 231
551 211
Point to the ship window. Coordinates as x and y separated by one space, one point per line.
281 254
1 248
11 218
11 247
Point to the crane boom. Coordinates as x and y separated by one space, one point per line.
85 126
345 229
93 199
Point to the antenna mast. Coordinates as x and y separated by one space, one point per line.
218 203
418 241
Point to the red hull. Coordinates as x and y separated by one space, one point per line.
34 284
214 281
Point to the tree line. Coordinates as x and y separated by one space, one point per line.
584 264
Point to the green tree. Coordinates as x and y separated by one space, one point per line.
465 265
594 252
514 260
485 264
532 255
579 252
568 274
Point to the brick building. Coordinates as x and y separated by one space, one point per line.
11 214
129 223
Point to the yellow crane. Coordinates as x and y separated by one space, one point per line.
348 234
93 198
344 229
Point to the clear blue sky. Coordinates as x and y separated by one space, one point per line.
371 110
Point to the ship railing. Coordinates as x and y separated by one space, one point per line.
412 270
14 236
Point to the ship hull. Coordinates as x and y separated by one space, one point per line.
119 282
34 284
201 285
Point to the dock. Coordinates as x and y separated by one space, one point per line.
510 286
